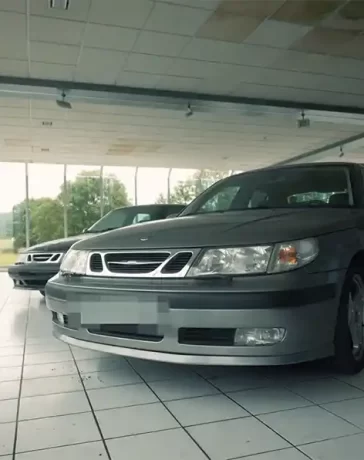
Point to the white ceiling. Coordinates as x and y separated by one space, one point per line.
226 47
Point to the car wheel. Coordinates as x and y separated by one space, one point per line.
43 293
349 333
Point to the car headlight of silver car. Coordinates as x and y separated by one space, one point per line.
22 258
74 262
252 260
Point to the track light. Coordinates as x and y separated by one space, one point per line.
303 122
63 103
189 112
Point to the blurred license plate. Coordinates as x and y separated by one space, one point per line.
128 310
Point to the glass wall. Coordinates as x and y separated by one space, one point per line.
46 208
43 202
12 211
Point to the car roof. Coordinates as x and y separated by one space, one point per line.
302 165
154 205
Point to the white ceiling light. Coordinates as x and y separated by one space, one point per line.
59 4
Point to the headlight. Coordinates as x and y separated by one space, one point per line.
232 261
74 262
22 258
255 259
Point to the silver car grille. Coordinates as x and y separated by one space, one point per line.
44 257
141 264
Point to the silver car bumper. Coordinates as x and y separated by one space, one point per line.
95 308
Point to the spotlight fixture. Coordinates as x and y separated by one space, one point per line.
303 122
63 103
189 112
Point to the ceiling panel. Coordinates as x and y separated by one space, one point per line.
14 67
109 37
125 13
160 44
100 66
13 36
54 53
175 19
51 30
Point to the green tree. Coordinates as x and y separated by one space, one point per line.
84 202
186 191
84 199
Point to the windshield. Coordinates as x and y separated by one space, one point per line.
327 186
122 218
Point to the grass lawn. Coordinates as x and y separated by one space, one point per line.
7 258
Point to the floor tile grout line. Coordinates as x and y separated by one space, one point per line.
340 417
348 383
256 418
57 447
167 409
21 381
342 436
91 407
260 453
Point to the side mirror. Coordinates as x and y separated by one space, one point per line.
170 216
84 230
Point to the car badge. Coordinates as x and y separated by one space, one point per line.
145 238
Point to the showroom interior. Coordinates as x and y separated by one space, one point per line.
111 103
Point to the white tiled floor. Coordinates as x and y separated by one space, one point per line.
57 402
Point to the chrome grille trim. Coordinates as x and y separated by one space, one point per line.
155 273
44 257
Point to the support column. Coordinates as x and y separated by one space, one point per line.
169 185
136 186
65 202
102 194
27 216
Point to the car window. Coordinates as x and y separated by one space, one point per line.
307 197
220 201
327 186
141 217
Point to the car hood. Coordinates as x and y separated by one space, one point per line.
61 245
230 228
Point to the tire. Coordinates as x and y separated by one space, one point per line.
349 331
43 293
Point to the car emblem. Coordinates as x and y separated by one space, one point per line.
145 238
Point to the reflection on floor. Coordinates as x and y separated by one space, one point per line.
57 402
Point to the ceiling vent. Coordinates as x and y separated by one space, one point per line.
59 4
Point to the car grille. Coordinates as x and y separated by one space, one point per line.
140 263
44 257
135 262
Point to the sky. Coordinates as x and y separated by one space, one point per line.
45 180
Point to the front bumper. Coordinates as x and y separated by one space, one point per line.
188 321
32 276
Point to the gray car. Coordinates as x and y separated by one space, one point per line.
264 268
37 264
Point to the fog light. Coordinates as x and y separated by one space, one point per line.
256 336
60 318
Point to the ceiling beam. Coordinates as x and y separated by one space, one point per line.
163 99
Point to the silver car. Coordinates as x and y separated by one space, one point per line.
264 268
